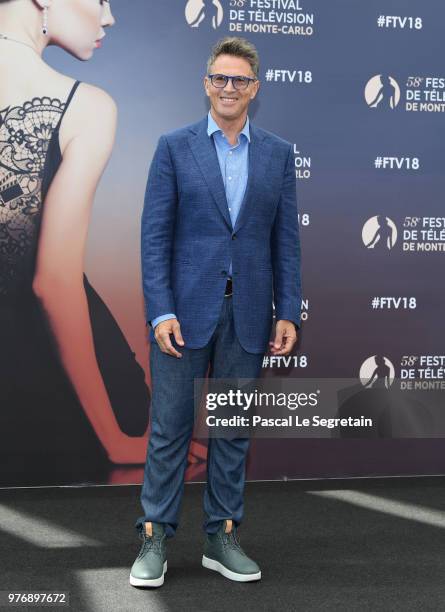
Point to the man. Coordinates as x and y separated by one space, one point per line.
220 239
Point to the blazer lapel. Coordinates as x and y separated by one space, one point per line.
204 151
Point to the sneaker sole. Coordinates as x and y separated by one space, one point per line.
222 569
153 582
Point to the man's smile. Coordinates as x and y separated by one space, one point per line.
228 100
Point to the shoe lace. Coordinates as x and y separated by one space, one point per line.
153 543
230 540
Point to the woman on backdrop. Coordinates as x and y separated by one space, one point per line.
72 397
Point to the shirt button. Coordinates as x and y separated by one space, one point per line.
230 178
230 152
230 208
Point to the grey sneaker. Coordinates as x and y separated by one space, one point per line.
151 563
223 553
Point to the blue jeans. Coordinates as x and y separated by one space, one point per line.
172 420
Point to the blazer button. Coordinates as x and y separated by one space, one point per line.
234 236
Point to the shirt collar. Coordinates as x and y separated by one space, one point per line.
213 127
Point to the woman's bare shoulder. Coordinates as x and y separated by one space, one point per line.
92 115
95 99
88 97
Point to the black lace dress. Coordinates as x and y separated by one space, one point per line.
45 436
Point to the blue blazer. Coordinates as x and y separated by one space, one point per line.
188 239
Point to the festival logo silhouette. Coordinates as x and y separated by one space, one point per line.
379 231
377 372
197 10
382 91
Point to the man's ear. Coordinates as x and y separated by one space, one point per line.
257 86
206 86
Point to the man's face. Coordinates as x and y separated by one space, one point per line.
229 103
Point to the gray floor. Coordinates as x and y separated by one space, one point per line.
322 545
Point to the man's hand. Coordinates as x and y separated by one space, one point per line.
285 338
162 335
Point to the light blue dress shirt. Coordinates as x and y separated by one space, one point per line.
234 165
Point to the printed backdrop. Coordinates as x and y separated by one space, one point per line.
359 89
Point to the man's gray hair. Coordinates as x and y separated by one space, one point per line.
239 47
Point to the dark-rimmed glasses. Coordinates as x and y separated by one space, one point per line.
238 82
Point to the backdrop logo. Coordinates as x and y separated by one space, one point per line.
382 91
197 10
379 231
377 372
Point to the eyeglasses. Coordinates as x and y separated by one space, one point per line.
238 82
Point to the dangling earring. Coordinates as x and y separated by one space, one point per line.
45 20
